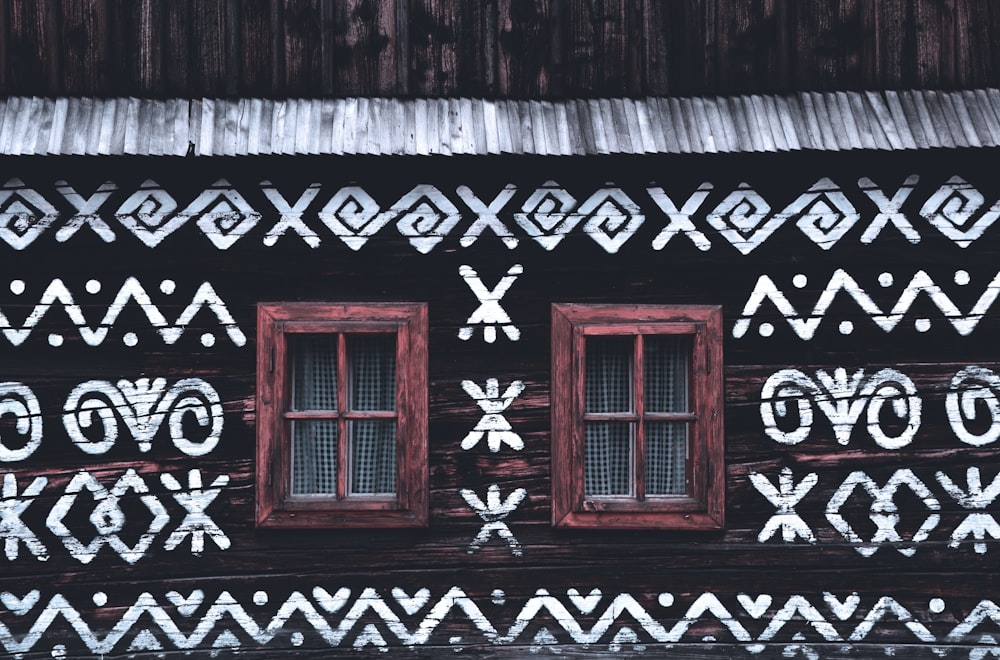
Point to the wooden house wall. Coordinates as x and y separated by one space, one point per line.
494 48
861 376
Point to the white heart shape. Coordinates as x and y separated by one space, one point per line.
585 604
186 606
756 607
411 604
20 606
845 610
331 603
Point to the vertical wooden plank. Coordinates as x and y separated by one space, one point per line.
83 25
528 48
657 30
208 48
935 43
829 45
179 79
433 56
302 46
363 60
690 47
257 53
33 63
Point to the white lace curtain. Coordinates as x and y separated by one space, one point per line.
371 377
608 385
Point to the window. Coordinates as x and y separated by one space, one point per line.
341 415
637 437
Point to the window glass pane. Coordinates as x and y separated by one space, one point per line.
373 456
609 374
314 384
666 449
607 459
314 457
373 371
666 372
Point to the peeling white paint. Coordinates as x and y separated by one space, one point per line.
489 314
130 292
143 405
805 325
492 424
493 512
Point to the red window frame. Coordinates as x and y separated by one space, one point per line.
702 507
276 506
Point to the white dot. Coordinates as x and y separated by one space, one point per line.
799 281
846 327
708 638
666 599
260 598
93 286
498 596
130 339
961 277
208 340
885 279
55 340
58 651
100 598
17 287
922 325
454 640
297 639
168 286
936 605
766 329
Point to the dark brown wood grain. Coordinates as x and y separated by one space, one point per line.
507 48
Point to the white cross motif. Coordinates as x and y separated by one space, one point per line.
493 511
492 424
196 523
784 498
980 524
12 529
489 313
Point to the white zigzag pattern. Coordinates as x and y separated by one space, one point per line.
56 293
226 611
805 326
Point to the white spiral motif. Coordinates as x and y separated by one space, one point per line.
143 405
890 385
17 399
972 385
784 387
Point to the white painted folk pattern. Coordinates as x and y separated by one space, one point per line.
805 324
143 405
426 214
492 424
883 511
493 512
174 621
56 294
842 398
109 519
489 314
18 400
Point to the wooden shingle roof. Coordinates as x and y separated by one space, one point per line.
829 121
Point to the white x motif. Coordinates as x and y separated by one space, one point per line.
196 523
784 498
493 511
493 425
489 313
